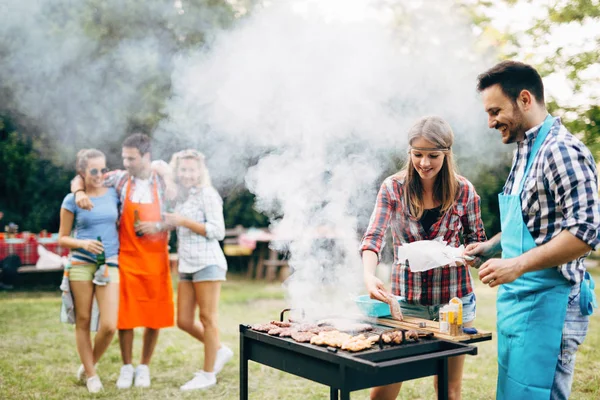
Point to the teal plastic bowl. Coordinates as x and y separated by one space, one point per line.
371 307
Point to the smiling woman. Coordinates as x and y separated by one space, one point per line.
426 200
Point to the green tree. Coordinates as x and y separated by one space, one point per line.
31 188
576 62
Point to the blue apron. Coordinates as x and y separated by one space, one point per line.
531 310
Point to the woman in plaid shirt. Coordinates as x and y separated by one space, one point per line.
426 200
198 218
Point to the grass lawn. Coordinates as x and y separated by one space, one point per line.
38 358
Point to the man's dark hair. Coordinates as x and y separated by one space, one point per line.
513 77
140 141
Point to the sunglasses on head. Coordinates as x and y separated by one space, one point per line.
95 171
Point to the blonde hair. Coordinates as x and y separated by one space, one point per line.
83 156
191 154
445 188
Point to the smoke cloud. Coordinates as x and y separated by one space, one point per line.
323 100
305 102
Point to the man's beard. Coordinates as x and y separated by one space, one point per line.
517 131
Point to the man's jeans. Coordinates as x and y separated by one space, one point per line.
574 331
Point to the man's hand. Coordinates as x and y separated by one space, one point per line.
149 227
93 246
83 201
497 271
375 288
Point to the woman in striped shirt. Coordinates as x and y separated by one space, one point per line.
426 200
198 218
99 222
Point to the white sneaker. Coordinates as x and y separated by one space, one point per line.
93 384
142 376
81 375
224 354
201 380
125 377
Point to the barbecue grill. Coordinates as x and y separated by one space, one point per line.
344 371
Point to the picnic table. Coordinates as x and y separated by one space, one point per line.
264 260
26 250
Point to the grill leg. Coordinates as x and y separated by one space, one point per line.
333 394
243 371
443 379
345 395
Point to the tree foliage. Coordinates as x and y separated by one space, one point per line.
578 62
31 188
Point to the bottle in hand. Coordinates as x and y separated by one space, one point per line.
101 277
100 258
136 223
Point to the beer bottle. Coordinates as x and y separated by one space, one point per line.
100 258
136 223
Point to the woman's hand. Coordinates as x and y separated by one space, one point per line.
173 219
93 246
482 249
375 288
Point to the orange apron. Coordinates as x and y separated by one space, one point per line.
146 294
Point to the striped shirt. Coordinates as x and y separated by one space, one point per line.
560 192
438 285
195 252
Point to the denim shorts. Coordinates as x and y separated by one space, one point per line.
206 274
85 272
574 332
433 312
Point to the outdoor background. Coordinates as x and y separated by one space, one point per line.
89 73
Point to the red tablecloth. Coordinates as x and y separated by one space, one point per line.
27 251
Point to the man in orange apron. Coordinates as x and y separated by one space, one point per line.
146 293
550 215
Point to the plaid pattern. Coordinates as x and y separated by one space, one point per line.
119 178
560 192
195 251
27 251
439 285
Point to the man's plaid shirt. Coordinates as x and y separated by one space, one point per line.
560 192
439 285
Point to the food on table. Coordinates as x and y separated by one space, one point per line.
263 327
281 324
394 307
302 337
394 337
357 343
330 338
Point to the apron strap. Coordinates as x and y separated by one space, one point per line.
542 134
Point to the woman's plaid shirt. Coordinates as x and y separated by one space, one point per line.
560 192
197 251
439 285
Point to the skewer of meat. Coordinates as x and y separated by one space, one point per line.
394 307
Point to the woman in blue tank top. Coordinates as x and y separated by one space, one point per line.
87 227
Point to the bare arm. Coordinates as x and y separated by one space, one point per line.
560 250
64 235
81 199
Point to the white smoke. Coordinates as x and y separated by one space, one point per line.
306 102
323 100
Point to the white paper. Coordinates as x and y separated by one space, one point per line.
424 255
